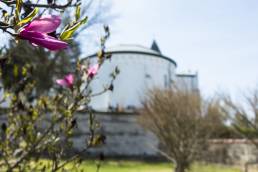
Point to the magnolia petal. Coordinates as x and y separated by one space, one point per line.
50 43
43 40
35 45
44 24
62 82
69 79
27 34
92 71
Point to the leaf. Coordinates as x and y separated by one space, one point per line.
78 12
23 144
68 33
18 9
24 71
29 17
15 71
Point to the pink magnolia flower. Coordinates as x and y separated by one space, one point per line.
67 81
37 32
92 70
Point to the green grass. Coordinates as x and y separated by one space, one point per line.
136 166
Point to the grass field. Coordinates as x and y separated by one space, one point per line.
135 166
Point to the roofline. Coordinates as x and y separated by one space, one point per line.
100 112
137 52
187 75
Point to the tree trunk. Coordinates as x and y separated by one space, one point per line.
180 168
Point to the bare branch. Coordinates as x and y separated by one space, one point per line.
52 6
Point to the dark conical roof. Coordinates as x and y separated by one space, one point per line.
155 47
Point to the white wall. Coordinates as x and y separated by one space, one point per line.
138 72
187 82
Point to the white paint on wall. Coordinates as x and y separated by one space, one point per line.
140 69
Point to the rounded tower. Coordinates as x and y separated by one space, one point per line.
140 68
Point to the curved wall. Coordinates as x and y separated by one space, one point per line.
138 72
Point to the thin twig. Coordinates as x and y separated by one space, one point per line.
53 6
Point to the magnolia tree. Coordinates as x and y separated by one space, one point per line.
43 125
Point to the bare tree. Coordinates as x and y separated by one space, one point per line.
244 115
177 118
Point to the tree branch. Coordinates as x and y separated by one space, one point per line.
52 6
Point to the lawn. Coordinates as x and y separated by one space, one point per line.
136 166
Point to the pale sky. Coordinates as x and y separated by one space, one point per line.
217 38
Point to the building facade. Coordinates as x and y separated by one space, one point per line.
141 69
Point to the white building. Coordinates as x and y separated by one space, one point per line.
187 81
140 68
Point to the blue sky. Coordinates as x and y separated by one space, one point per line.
217 38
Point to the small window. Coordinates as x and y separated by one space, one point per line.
147 75
165 81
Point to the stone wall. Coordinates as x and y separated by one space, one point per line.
126 138
232 151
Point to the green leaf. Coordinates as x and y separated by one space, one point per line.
23 144
15 71
78 12
18 9
29 17
24 71
68 33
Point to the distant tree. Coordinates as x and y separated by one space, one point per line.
177 118
244 115
45 66
217 119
